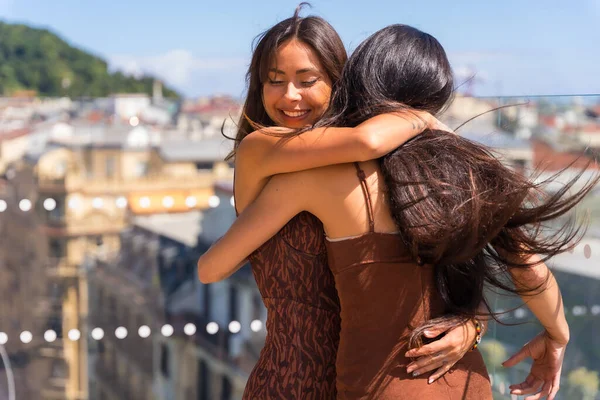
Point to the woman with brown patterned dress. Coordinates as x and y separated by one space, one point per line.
411 239
293 68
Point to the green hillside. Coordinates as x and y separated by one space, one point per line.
37 59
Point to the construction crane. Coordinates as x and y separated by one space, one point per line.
467 78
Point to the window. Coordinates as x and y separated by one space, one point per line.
207 301
141 169
110 166
87 159
519 164
99 299
112 307
164 360
257 306
55 323
59 369
226 389
56 247
204 166
234 307
204 391
57 214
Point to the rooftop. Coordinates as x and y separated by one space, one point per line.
583 261
206 150
548 157
494 137
172 145
182 227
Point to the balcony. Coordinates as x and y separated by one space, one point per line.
100 186
72 225
58 267
120 387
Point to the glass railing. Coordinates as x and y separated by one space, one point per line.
105 303
548 133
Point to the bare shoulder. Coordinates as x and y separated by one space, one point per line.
316 182
267 135
328 174
257 144
247 147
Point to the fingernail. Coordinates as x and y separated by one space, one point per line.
415 374
427 333
430 380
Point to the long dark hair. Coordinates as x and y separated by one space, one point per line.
396 68
457 207
312 31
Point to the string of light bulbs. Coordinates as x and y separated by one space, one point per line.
234 327
167 202
143 332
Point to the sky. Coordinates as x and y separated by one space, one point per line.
203 47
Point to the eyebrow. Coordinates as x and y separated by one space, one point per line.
298 72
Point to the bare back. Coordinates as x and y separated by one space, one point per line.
339 200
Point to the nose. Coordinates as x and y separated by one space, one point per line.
292 93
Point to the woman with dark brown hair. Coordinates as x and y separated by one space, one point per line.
294 66
413 237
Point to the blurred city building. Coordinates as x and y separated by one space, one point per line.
97 167
203 340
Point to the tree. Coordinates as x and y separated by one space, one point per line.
37 59
493 352
582 384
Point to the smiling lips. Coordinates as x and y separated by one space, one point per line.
295 114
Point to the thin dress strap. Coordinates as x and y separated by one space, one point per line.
237 214
365 188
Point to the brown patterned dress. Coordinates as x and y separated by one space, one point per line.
303 315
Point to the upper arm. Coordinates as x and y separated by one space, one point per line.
269 155
281 199
531 274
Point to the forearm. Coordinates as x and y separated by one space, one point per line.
229 253
386 132
219 263
280 200
270 155
542 296
315 148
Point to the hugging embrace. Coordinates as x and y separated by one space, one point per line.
372 229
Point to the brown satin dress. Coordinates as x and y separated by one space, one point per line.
382 294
